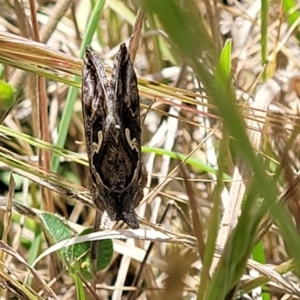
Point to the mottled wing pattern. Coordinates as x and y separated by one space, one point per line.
111 112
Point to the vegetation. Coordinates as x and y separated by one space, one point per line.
219 92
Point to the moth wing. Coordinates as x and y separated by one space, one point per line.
93 95
126 89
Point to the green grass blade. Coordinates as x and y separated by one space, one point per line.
258 255
292 11
213 224
191 161
182 34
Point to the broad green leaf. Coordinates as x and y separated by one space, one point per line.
57 230
81 256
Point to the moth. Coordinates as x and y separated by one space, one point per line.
111 114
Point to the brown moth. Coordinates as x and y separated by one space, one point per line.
111 114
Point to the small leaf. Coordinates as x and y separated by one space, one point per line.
56 227
81 256
6 95
223 71
105 253
57 230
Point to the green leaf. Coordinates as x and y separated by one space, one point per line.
56 227
6 95
77 256
223 70
105 254
57 230
191 161
81 261
292 11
